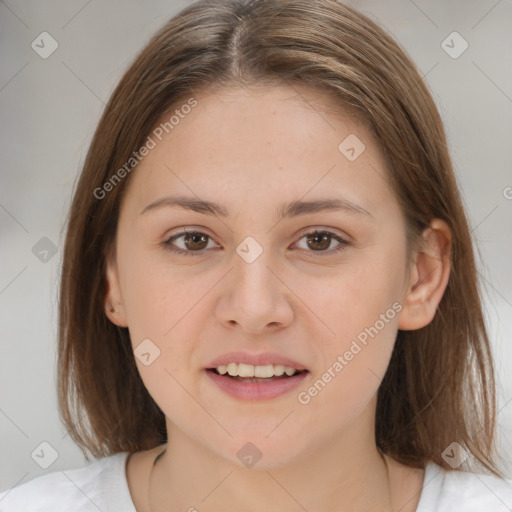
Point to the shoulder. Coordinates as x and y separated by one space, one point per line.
100 485
445 490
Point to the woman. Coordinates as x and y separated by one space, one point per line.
261 289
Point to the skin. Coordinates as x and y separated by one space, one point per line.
251 149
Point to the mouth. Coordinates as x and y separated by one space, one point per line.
251 373
250 382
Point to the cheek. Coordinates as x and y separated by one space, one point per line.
361 296
156 296
161 305
340 392
361 309
167 304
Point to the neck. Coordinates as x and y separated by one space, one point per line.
342 476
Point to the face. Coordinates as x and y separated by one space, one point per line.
246 284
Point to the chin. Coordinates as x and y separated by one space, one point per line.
262 452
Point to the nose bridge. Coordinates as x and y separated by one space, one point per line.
252 276
254 298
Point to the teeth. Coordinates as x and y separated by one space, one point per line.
278 369
264 372
233 369
249 370
246 370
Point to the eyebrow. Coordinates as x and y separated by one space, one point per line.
292 209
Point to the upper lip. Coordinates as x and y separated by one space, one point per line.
262 359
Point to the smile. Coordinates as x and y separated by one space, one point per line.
248 382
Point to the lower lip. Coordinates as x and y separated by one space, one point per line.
256 390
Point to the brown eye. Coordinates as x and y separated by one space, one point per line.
191 242
195 241
320 241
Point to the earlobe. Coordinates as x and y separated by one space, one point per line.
113 300
428 277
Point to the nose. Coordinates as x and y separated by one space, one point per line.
255 297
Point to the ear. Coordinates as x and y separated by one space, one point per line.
429 276
114 308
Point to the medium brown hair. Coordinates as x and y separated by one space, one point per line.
440 384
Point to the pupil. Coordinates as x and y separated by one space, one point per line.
320 238
196 238
324 238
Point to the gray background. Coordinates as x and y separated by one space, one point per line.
51 106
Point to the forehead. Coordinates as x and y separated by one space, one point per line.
260 142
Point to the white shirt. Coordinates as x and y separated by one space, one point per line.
101 485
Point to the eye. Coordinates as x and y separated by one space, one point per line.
193 241
319 241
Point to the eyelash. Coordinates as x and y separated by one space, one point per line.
343 243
